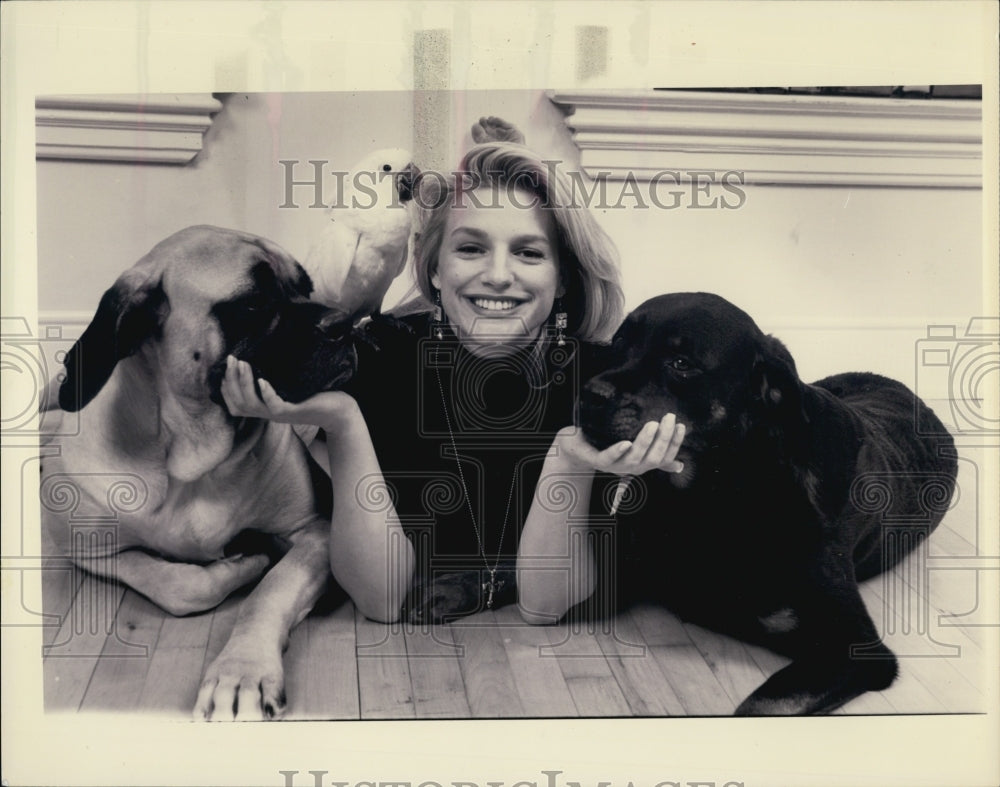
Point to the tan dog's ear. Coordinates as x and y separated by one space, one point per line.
129 312
289 272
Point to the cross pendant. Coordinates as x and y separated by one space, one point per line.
491 586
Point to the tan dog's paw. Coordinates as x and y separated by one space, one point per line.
242 684
186 589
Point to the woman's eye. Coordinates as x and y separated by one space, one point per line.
681 365
532 254
469 248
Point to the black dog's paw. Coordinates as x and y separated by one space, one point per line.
819 686
456 594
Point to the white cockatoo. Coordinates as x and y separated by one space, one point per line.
364 247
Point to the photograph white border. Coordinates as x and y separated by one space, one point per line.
128 47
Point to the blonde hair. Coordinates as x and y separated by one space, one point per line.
588 261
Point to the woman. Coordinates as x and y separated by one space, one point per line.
436 449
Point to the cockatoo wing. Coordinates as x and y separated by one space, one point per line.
369 278
330 259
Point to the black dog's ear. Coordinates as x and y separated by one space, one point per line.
775 380
130 312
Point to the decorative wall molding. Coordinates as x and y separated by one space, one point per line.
66 323
778 139
148 129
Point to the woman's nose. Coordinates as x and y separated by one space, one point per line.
499 271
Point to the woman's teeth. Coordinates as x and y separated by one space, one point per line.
495 305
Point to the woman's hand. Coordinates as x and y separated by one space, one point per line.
654 448
326 409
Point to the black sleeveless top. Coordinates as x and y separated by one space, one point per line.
428 402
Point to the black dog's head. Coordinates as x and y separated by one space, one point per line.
198 296
300 347
695 355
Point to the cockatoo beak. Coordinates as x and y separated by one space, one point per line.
405 181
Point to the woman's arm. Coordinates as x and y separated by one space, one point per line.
370 555
555 560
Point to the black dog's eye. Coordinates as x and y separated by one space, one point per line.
245 316
252 304
680 364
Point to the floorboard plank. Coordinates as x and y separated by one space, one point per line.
436 673
943 678
635 667
908 695
658 625
768 661
729 660
693 681
540 683
296 661
945 540
949 685
70 660
329 678
598 697
588 675
60 584
871 703
175 671
489 684
120 674
386 691
60 580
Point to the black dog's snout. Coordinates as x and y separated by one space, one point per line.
600 389
598 407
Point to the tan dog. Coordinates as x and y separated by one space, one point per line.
145 375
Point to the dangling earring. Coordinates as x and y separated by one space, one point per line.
560 323
438 320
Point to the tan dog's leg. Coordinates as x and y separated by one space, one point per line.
179 588
246 682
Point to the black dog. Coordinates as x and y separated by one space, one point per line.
766 532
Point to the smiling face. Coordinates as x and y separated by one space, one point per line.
498 268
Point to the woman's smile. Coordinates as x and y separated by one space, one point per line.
498 305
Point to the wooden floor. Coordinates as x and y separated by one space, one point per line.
340 665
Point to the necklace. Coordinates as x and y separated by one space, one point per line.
492 585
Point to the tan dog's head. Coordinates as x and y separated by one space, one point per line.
198 296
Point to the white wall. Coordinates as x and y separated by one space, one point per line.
848 277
